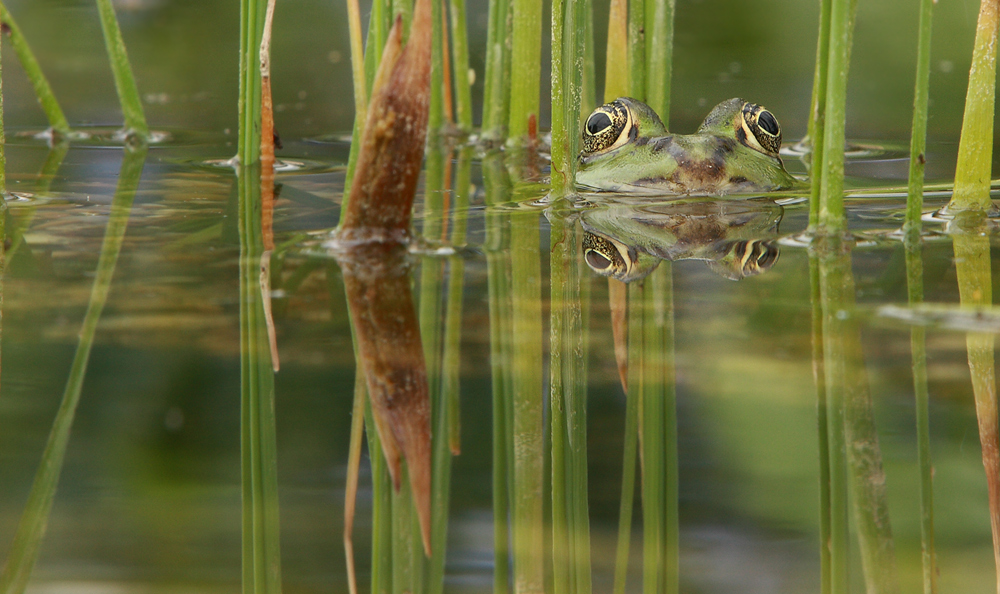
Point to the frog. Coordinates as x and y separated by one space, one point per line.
626 148
735 238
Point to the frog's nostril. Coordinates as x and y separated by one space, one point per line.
598 122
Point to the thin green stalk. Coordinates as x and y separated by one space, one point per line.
3 144
631 440
831 207
918 354
258 443
128 93
497 257
567 57
637 49
637 379
436 114
381 570
252 14
588 99
526 61
378 31
561 252
496 90
453 318
852 427
46 98
834 267
404 549
975 148
817 110
460 65
528 427
357 58
659 55
31 528
918 137
567 397
822 424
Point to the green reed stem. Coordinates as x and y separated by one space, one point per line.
252 13
637 49
460 65
453 318
526 61
46 98
637 378
528 407
559 448
831 180
817 110
497 247
496 91
847 390
588 98
567 59
834 269
3 144
918 354
258 442
631 440
616 70
822 424
128 93
404 549
970 236
31 528
382 534
436 112
975 148
353 470
659 55
567 397
918 137
357 59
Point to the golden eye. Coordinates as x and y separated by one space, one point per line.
607 128
761 129
606 256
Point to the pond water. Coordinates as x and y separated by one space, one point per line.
157 260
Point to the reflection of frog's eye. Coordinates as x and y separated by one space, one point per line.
755 256
606 256
607 128
760 129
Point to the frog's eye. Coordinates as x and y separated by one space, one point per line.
760 129
607 128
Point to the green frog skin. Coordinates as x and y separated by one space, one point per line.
626 148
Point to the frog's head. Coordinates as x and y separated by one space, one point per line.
618 123
752 125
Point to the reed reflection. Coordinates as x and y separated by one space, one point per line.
627 241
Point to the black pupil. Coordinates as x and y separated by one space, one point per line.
597 260
598 123
768 123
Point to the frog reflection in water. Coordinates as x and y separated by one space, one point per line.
626 148
628 241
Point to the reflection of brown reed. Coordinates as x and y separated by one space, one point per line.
972 261
377 283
